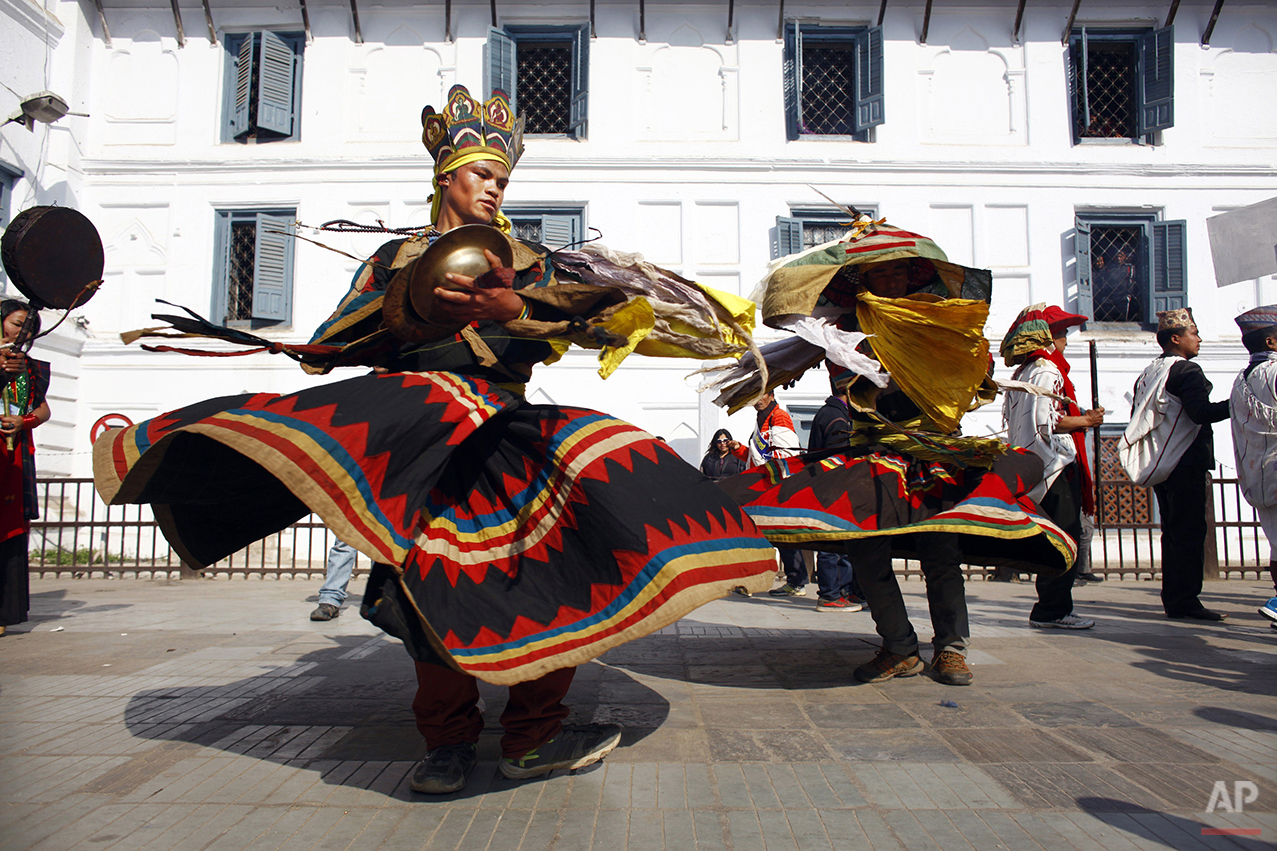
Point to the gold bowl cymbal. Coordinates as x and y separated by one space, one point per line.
410 297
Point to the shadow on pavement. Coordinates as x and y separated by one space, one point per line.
350 717
1164 829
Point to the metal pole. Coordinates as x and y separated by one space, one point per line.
592 33
1019 19
1068 27
208 19
1170 16
926 21
882 12
177 19
306 22
493 4
354 14
780 23
447 21
1210 28
106 31
1095 403
642 22
731 14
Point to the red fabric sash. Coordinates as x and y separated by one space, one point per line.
1056 357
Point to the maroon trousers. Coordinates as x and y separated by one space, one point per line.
447 712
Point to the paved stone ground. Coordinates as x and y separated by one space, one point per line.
214 715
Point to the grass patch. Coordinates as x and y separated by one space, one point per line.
85 556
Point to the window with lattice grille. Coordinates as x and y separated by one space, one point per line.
808 227
1121 83
833 81
545 73
263 87
253 269
1129 268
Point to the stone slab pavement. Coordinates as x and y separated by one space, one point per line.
213 715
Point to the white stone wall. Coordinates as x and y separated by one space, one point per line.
686 161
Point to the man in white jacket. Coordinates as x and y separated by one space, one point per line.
1253 411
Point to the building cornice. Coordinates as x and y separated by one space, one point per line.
39 21
659 169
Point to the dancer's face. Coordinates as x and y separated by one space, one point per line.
887 280
472 194
13 325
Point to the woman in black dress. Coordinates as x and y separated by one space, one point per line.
719 462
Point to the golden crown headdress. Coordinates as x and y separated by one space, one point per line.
466 131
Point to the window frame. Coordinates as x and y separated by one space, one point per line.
9 177
1162 268
501 68
264 316
1152 79
572 217
233 44
868 67
789 229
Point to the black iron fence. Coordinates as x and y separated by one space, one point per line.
78 535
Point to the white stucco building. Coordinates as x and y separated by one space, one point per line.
670 133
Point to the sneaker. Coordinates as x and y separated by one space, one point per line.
444 769
325 612
742 590
950 667
573 747
1066 622
1269 610
842 604
788 590
887 665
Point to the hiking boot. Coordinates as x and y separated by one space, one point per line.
574 747
1066 622
842 604
887 665
444 769
325 612
787 590
950 667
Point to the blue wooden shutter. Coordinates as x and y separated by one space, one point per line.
1082 253
578 112
559 230
1156 80
868 111
243 77
789 235
1170 291
272 268
1079 105
793 68
221 269
275 85
501 69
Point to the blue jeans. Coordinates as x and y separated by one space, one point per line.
794 565
834 576
341 563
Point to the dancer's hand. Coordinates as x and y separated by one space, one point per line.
489 296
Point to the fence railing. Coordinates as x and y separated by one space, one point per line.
78 535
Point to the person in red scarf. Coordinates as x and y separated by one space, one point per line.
1055 431
25 381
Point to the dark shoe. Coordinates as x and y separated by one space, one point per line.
574 747
788 590
742 590
1200 615
444 769
325 612
1090 577
1069 621
887 665
950 667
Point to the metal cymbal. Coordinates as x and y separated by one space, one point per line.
460 252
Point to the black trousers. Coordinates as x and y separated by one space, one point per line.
1182 501
1063 504
941 557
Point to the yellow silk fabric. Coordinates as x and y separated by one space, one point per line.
935 350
